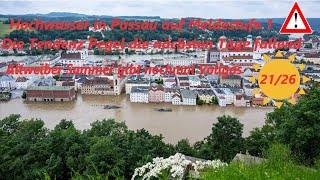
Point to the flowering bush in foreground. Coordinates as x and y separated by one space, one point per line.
175 166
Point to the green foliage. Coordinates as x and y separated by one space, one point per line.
184 147
295 125
309 46
224 142
259 139
158 81
103 52
309 68
214 100
107 150
56 77
299 126
200 101
279 165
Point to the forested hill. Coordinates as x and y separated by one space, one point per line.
67 16
313 22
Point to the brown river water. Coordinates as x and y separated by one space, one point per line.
191 122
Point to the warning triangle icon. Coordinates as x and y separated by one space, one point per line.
295 23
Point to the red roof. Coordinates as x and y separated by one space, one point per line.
242 57
184 84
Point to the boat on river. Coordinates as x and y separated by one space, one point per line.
111 107
164 109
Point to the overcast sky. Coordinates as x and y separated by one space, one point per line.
165 8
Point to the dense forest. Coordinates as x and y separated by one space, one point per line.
30 151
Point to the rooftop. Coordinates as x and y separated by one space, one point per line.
205 92
194 78
71 56
22 79
98 81
139 89
51 88
232 76
188 94
7 78
183 78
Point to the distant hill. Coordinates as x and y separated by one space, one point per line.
313 22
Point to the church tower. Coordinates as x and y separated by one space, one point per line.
257 51
222 43
249 38
116 80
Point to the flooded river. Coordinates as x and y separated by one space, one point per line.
192 122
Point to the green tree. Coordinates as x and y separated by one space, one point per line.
299 125
259 140
309 68
200 101
214 100
225 141
105 157
309 46
56 77
183 146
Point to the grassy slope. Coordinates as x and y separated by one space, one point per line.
279 165
263 171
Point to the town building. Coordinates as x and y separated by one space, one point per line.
312 57
257 101
314 42
184 61
98 86
214 78
23 83
311 72
67 80
241 100
181 79
213 55
7 82
205 95
224 95
139 94
156 93
234 80
168 93
136 80
188 97
248 72
48 59
3 67
50 93
176 100
45 82
249 89
83 52
194 80
168 76
169 83
75 59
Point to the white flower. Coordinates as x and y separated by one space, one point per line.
176 164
